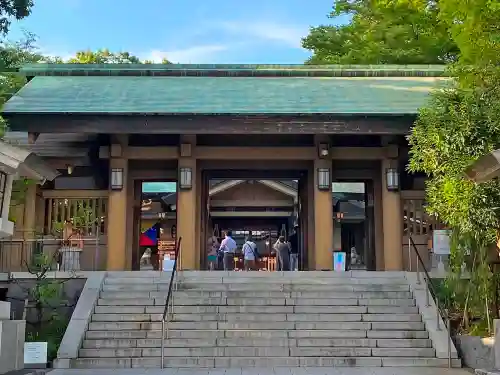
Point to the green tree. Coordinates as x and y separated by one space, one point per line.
12 56
459 125
104 56
382 32
13 9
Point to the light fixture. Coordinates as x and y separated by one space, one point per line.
324 180
185 178
116 178
69 168
392 179
323 150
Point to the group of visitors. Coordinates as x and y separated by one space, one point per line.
222 253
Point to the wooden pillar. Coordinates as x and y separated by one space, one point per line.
323 215
117 210
186 207
392 222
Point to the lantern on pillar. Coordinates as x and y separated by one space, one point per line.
185 178
392 179
116 178
324 179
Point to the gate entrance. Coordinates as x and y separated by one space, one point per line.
257 204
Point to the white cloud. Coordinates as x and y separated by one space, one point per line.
287 34
196 54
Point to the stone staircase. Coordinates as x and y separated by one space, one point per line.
259 319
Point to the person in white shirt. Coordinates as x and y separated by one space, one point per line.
249 254
228 247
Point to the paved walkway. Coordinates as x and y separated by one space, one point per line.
272 371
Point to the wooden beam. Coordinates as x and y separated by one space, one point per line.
251 214
78 194
211 124
251 153
254 153
250 203
361 153
412 194
144 153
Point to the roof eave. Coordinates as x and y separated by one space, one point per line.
8 114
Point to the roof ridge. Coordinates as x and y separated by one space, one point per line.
233 70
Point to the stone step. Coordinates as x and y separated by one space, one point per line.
193 301
257 342
263 362
259 274
211 325
269 334
252 351
242 295
258 290
241 317
256 310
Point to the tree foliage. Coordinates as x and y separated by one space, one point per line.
13 9
104 56
382 32
460 124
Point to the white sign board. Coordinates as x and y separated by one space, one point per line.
441 242
35 353
168 265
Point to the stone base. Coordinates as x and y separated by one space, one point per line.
12 345
70 259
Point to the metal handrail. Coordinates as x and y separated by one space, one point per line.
430 290
169 302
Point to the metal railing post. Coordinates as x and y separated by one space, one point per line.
438 325
168 310
418 275
449 339
409 253
163 343
427 293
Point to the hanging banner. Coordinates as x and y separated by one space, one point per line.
441 242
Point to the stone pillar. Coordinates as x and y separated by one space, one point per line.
186 207
7 197
29 221
323 220
117 211
392 223
12 334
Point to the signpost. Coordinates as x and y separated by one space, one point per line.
35 354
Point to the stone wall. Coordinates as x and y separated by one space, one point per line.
476 352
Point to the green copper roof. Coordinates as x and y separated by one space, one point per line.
222 95
233 70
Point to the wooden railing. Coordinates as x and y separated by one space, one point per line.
85 209
417 224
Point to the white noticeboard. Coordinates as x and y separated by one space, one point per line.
35 353
441 242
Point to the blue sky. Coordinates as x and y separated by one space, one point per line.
185 31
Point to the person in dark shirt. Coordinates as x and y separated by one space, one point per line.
155 256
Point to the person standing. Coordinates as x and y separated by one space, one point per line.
283 254
249 254
155 250
228 248
212 247
294 250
